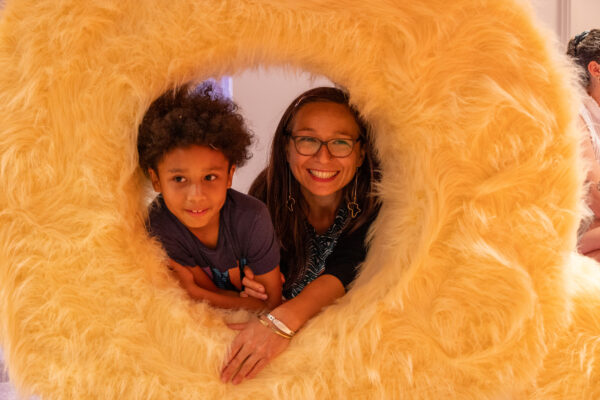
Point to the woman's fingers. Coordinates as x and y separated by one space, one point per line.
257 368
243 349
232 362
251 350
248 364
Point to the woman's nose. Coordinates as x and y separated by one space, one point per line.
323 154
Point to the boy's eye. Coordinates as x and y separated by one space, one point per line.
210 177
179 179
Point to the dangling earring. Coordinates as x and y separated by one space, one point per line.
290 200
353 205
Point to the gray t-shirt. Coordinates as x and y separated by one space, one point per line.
246 237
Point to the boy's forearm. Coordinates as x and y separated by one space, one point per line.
225 292
224 299
272 302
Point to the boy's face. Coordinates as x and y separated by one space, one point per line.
194 181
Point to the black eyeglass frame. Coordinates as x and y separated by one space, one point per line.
323 142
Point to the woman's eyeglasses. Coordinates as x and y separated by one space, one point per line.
309 146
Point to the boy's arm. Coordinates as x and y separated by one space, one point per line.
272 282
200 277
228 299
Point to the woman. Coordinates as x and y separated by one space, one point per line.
585 51
318 187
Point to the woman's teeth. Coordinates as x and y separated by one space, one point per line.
322 174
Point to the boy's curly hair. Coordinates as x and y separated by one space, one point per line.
186 117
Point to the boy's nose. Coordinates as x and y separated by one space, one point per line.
195 191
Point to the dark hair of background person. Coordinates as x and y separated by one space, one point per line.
275 182
585 48
198 116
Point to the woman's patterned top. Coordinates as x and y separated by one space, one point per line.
318 249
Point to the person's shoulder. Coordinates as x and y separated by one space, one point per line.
245 213
242 202
157 209
159 220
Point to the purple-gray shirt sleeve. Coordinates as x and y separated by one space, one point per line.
262 246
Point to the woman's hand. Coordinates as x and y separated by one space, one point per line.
250 351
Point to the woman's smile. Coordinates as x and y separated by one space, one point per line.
323 175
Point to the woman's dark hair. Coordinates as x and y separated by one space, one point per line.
276 183
585 48
186 117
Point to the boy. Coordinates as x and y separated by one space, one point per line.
189 145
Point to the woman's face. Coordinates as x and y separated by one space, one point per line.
322 176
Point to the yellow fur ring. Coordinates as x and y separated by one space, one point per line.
470 289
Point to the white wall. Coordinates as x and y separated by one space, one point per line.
567 18
553 14
585 15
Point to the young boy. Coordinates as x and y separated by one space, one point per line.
189 145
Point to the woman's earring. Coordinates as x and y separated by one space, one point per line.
290 200
353 205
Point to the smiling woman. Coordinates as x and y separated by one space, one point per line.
470 288
323 238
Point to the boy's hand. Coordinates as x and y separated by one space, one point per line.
252 288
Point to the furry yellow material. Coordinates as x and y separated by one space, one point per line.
470 290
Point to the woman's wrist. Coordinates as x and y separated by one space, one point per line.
280 325
288 316
278 328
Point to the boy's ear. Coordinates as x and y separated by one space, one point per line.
230 177
594 69
154 179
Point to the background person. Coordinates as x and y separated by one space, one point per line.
584 49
